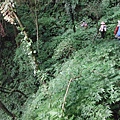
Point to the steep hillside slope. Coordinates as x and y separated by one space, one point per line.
85 87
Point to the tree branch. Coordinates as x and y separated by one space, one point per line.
65 96
5 90
2 106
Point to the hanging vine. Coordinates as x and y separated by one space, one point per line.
7 9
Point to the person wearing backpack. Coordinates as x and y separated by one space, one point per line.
102 29
117 30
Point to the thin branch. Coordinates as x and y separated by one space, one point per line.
37 26
3 107
5 90
19 92
26 36
65 96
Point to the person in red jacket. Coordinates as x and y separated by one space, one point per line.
117 30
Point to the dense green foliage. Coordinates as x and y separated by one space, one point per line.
69 72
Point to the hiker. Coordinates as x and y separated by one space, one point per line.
84 24
117 30
102 29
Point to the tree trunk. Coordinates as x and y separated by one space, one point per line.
72 17
37 26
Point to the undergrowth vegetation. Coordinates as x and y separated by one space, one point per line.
77 73
94 88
